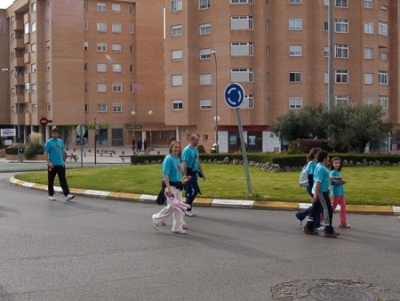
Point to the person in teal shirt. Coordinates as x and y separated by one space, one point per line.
337 191
320 191
53 150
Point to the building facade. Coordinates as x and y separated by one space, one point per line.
162 66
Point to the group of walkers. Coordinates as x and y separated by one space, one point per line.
320 181
181 170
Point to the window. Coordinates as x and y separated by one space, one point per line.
295 50
295 1
117 107
341 3
47 24
85 25
101 47
176 30
132 88
176 55
117 68
47 45
33 7
176 5
204 4
132 49
242 49
101 7
295 24
131 28
117 87
248 102
48 107
27 87
267 24
242 75
267 51
205 54
102 88
205 28
34 109
85 5
47 3
326 51
27 28
177 80
116 8
131 9
12 55
33 47
47 66
368 28
33 28
384 101
368 53
368 78
86 107
368 3
205 137
101 67
205 79
47 86
295 77
85 46
116 48
102 107
369 101
342 99
205 104
383 77
12 37
342 51
384 56
384 7
241 22
383 28
295 102
342 76
116 27
86 87
341 25
177 105
101 26
131 68
33 68
241 1
34 88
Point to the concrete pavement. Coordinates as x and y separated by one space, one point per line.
88 159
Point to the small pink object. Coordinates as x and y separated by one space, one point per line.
184 226
163 224
179 206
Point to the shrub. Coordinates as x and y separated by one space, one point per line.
1 144
34 146
201 149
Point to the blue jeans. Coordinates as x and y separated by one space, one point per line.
191 191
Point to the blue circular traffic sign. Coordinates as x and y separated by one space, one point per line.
234 95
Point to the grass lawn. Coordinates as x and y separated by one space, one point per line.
366 185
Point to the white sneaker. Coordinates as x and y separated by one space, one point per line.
322 228
69 197
51 198
190 213
179 232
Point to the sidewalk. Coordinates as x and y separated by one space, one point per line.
88 161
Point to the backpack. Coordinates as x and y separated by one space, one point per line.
303 179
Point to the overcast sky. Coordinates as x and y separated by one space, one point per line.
5 3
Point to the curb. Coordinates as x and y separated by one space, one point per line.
208 202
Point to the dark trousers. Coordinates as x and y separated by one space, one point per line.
306 212
323 201
191 189
51 174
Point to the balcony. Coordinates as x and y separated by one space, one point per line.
18 62
18 44
17 25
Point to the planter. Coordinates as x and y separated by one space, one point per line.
14 157
39 157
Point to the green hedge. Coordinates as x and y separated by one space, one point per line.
13 150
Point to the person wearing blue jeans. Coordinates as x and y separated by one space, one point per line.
191 167
321 198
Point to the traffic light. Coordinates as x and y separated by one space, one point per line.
44 121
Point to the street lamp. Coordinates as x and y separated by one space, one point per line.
133 113
151 119
216 117
18 121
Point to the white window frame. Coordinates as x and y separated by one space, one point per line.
368 78
242 49
205 79
47 45
205 54
205 29
341 26
205 104
384 101
384 56
295 103
34 88
341 3
102 107
48 66
115 8
176 55
176 5
241 23
101 67
116 27
369 101
342 99
176 80
48 86
295 77
248 102
101 47
383 28
117 107
117 68
85 25
116 48
342 76
342 51
295 24
27 87
383 77
102 87
242 75
176 30
295 1
368 53
33 47
177 105
117 88
204 4
102 26
102 7
368 4
33 68
241 1
369 28
295 50
131 29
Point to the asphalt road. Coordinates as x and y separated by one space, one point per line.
97 249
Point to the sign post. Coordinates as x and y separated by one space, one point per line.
80 130
234 96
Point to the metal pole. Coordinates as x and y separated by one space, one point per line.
244 152
216 101
18 120
95 140
331 25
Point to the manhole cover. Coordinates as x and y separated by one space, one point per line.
340 293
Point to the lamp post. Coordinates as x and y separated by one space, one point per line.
133 113
18 120
216 118
151 119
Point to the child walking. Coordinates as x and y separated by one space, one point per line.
337 191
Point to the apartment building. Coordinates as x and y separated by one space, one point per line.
84 63
161 67
278 51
